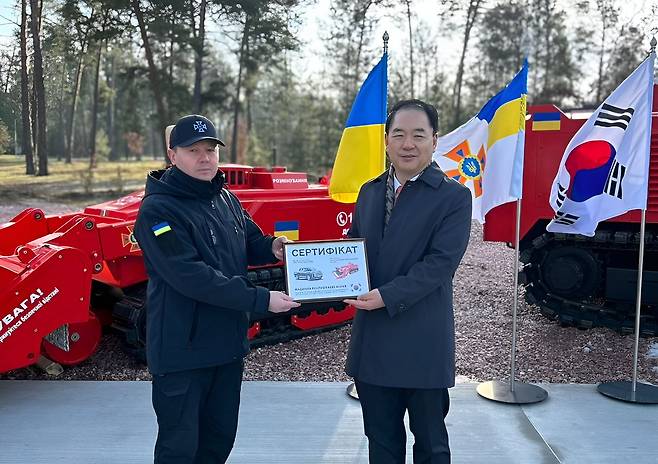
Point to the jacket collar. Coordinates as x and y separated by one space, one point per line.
432 176
194 187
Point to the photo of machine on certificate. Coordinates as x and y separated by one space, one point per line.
326 270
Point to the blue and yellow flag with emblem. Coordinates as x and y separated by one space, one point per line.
361 153
486 153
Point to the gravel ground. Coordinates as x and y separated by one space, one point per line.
483 307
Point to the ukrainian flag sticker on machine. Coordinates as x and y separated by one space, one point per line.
549 121
288 228
161 228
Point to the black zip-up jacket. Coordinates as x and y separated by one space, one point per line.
197 242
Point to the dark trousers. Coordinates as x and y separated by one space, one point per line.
197 413
383 420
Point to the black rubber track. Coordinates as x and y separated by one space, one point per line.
593 310
129 313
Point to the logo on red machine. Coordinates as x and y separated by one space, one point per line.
129 239
342 218
23 311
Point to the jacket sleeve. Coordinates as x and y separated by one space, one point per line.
173 256
437 268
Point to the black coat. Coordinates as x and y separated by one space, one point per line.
410 343
197 242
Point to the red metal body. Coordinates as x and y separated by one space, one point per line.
40 253
543 152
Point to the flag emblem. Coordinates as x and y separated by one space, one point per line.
546 121
613 184
561 195
470 166
161 228
589 166
565 218
611 116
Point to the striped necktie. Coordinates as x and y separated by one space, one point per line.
390 196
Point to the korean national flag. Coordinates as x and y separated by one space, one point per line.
605 169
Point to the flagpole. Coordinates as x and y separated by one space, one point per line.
351 388
512 375
634 392
513 392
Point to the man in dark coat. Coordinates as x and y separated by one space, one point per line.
197 242
416 224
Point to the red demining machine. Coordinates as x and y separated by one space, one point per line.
62 278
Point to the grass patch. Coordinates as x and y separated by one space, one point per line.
73 180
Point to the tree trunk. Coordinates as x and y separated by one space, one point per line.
94 111
61 120
33 118
70 133
548 73
10 69
198 55
249 95
172 41
471 16
238 87
411 47
26 139
163 116
111 136
356 75
42 149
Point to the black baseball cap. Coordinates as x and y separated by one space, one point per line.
192 128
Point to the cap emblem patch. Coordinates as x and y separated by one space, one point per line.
200 126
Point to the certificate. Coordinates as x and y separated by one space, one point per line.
326 270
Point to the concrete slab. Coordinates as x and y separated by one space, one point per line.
582 426
307 423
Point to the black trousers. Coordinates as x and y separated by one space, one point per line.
197 412
383 420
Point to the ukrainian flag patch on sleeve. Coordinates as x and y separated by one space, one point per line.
161 228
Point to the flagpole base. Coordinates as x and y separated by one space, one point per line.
623 391
524 393
351 391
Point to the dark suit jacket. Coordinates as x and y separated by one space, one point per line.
410 343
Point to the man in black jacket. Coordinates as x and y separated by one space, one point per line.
197 242
416 224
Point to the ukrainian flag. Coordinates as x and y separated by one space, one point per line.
361 153
161 228
289 229
486 153
549 121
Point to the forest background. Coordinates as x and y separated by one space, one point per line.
97 80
